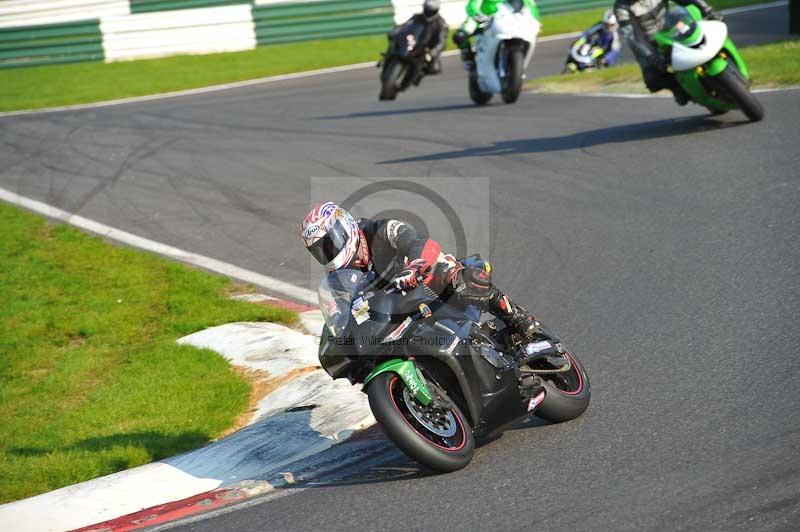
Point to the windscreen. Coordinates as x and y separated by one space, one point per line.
336 294
680 21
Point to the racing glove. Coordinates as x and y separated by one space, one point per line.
481 20
460 38
713 15
409 278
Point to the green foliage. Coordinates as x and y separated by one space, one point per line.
91 379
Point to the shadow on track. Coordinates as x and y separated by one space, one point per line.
608 135
381 462
394 112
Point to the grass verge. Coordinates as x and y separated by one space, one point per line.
48 86
771 65
91 379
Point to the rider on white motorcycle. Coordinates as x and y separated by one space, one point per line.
478 12
396 253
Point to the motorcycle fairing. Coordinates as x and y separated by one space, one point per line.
407 371
697 57
506 25
685 57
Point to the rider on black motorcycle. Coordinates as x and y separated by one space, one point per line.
639 20
434 38
395 251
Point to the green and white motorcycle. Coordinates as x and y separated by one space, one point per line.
706 63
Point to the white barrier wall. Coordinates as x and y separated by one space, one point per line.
186 31
15 13
453 11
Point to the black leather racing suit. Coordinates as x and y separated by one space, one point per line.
434 38
639 20
393 244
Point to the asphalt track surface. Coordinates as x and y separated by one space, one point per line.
662 243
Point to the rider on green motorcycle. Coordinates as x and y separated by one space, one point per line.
478 11
639 20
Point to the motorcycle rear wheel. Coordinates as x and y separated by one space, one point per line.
405 423
567 395
512 83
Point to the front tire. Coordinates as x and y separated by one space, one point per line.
512 84
737 90
389 80
567 395
395 410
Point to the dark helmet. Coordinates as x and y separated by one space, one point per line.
430 8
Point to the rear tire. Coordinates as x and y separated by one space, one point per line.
396 419
512 85
565 398
391 73
736 88
475 92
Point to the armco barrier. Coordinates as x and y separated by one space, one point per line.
302 21
45 45
548 7
206 30
17 13
134 29
147 6
454 11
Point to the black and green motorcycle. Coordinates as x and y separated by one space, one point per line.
706 63
436 375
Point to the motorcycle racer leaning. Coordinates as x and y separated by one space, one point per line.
605 35
395 251
435 36
478 12
639 20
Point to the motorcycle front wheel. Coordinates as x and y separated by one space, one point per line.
437 438
389 79
512 82
735 86
567 394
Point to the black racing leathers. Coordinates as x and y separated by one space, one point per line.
434 38
639 20
393 244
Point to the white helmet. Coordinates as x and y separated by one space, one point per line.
331 235
610 20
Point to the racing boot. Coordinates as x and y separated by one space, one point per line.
514 316
530 385
468 58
